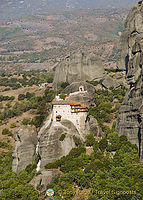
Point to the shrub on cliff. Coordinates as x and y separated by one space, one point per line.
64 85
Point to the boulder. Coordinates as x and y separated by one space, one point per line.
110 82
44 178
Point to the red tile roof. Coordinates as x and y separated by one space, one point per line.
58 116
71 103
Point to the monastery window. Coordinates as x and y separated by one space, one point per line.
77 122
58 118
81 88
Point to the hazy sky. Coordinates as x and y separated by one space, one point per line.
12 8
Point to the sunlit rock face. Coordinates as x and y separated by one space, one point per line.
78 67
51 147
130 118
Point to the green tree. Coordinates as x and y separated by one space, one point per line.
62 96
103 144
90 140
21 97
6 131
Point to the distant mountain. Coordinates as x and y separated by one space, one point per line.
16 8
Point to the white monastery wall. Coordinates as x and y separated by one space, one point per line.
78 119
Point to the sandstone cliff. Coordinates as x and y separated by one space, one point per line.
78 67
130 118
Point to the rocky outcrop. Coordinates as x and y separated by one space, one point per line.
50 145
114 81
86 96
24 151
78 67
132 41
130 118
110 82
93 127
44 178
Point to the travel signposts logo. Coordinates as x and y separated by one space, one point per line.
50 192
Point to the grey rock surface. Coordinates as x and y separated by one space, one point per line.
110 82
24 150
132 38
44 178
78 67
85 97
51 148
93 127
130 118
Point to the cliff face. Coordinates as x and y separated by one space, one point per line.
130 118
24 151
132 41
78 67
50 145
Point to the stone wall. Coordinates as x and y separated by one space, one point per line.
78 119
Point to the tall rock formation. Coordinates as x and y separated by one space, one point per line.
130 118
78 67
74 125
50 145
24 151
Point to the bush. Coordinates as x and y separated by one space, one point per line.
13 125
62 137
6 98
49 94
6 131
64 85
25 121
103 144
4 145
90 139
62 96
123 138
114 125
21 97
38 120
95 146
29 95
77 141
